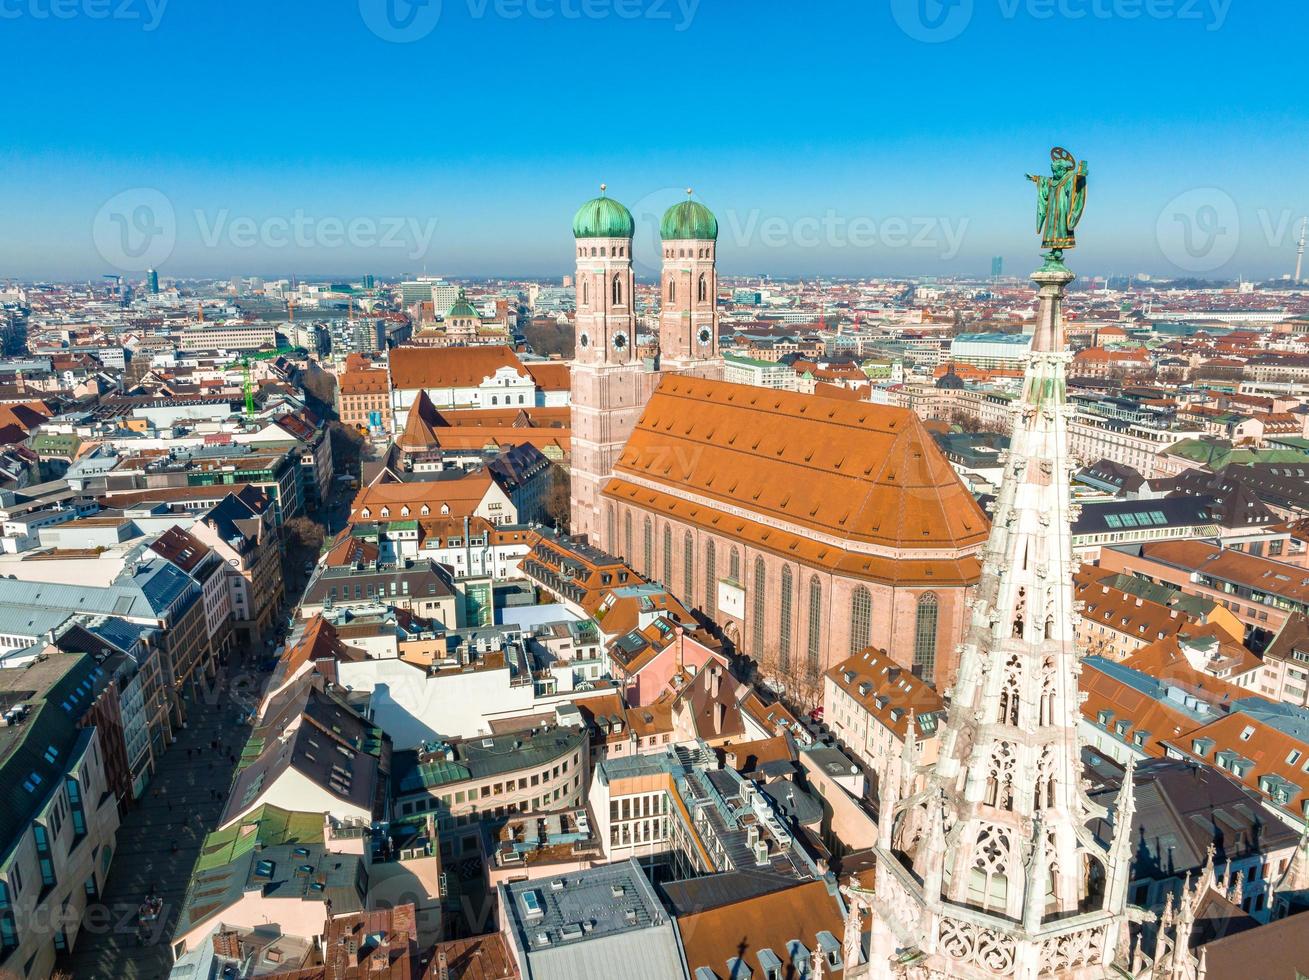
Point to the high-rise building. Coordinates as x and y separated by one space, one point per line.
444 296
997 267
152 281
990 871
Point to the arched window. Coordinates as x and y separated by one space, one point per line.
611 535
668 553
688 569
784 621
925 637
495 400
760 610
672 290
704 288
710 578
814 648
629 553
861 619
618 290
586 292
734 566
647 547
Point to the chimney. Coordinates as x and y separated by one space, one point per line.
720 712
715 679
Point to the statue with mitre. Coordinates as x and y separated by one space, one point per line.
1061 198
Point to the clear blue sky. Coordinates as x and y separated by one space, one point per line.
790 119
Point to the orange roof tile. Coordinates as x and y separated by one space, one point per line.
852 471
449 367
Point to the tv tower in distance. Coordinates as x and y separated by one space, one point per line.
1299 250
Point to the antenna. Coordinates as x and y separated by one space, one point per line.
1299 251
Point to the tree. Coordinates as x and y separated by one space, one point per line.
558 498
320 386
303 534
347 447
548 337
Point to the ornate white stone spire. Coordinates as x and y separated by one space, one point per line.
991 871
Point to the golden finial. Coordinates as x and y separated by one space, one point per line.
603 188
689 192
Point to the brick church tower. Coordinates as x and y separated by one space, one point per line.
688 304
611 382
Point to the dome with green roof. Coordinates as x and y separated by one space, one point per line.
462 308
603 217
689 221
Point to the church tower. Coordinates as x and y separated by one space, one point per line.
990 871
688 304
610 382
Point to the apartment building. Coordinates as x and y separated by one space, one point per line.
467 781
59 821
870 702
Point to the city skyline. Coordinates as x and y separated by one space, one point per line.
817 160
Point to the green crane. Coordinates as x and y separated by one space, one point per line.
245 360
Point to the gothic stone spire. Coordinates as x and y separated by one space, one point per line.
1022 886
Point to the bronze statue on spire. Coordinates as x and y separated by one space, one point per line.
1061 198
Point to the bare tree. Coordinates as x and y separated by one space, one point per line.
304 534
558 498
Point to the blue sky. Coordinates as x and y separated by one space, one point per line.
850 137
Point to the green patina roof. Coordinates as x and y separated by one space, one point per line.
266 826
688 221
1217 454
603 217
463 308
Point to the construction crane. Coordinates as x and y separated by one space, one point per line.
245 361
